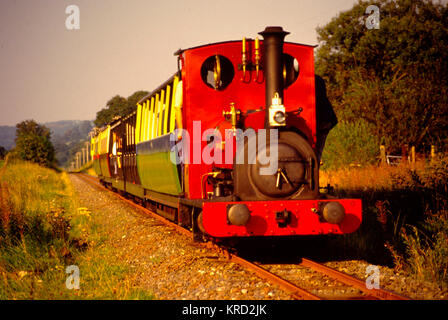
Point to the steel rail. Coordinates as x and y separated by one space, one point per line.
349 280
295 291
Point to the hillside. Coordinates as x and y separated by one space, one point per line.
7 136
68 138
66 135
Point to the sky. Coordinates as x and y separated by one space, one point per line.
50 73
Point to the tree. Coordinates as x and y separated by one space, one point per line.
33 143
350 143
112 109
3 152
132 101
394 77
118 106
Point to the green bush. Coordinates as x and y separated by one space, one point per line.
350 144
426 245
427 250
33 143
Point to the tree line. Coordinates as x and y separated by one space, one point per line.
118 106
390 83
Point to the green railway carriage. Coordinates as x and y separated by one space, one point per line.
133 153
156 123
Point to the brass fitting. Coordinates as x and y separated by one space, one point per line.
257 56
244 57
232 115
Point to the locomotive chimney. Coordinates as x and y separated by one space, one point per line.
273 66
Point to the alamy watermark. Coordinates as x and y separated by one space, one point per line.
373 20
72 22
261 146
373 277
72 281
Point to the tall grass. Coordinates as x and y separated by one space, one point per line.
43 230
404 214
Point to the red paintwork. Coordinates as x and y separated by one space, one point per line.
202 103
206 104
262 221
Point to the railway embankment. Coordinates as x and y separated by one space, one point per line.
50 246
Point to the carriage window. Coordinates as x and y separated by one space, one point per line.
290 69
217 72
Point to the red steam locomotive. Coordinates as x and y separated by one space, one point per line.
229 145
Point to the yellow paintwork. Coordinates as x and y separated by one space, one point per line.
138 122
160 111
157 116
173 109
167 109
151 119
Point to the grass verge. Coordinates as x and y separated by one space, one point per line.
44 231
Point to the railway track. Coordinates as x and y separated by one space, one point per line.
288 277
328 283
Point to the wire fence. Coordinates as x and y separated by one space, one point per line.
408 155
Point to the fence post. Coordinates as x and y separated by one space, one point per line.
413 157
383 154
77 160
87 151
83 156
433 154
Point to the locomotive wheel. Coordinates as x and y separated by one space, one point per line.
198 227
200 222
